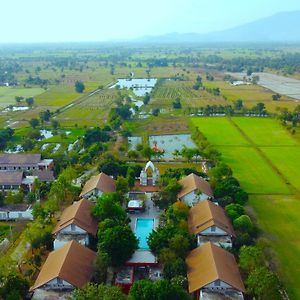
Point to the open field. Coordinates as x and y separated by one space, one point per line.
278 217
287 160
8 94
265 131
219 131
255 175
265 167
4 230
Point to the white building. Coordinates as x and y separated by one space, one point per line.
16 212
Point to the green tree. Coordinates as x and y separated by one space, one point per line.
79 87
29 101
14 286
119 243
94 291
34 123
234 211
263 284
122 185
107 207
250 258
243 224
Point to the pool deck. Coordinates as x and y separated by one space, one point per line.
151 212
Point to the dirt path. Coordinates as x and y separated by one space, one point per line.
291 187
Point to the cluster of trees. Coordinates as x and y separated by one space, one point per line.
290 117
29 100
214 91
172 242
36 81
6 135
198 84
116 241
261 283
188 153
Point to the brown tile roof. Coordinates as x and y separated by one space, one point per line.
72 263
79 214
11 178
44 175
206 214
209 263
20 159
193 182
102 182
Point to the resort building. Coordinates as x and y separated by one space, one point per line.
194 189
14 180
76 223
65 269
213 274
97 185
24 162
208 221
16 212
10 181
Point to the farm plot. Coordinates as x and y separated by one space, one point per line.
265 131
59 95
91 112
287 160
255 175
219 131
8 94
171 89
278 217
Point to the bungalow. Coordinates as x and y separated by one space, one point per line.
97 185
194 189
76 223
209 222
16 212
213 273
24 162
65 269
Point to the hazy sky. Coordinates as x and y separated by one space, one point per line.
101 20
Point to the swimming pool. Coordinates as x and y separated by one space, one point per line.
143 227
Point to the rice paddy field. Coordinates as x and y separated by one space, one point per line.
265 157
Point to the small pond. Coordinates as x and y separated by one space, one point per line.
133 141
46 134
16 108
171 142
140 86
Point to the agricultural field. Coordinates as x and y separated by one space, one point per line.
8 94
268 169
219 131
278 217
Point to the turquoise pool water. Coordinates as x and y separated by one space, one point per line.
143 228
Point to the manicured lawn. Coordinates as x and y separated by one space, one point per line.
219 131
255 175
287 160
278 217
265 131
70 138
8 94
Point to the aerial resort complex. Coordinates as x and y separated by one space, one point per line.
150 150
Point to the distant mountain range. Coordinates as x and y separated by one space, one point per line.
281 27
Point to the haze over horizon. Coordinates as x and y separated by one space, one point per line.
74 21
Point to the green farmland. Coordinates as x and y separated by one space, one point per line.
265 157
